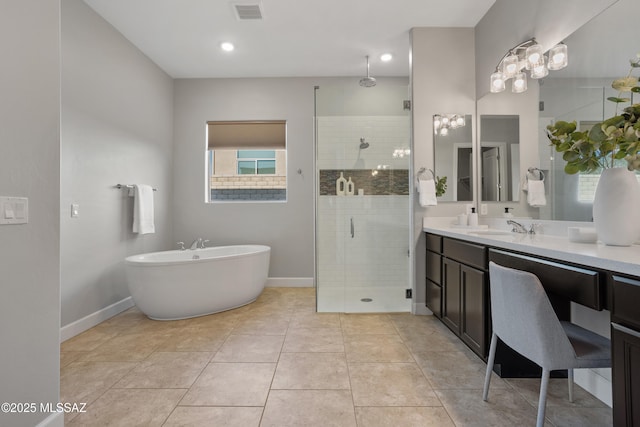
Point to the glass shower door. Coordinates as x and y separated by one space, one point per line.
362 225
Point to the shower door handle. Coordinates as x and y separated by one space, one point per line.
353 232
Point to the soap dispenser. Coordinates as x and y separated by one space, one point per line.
507 214
473 218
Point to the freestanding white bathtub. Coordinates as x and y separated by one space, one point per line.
177 284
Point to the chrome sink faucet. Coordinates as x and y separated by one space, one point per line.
517 227
196 244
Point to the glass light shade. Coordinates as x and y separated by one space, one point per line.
497 82
558 58
534 56
510 66
539 71
445 120
227 47
444 131
519 84
460 120
437 122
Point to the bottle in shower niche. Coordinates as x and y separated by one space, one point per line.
351 188
341 185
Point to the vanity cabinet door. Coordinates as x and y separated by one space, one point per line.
625 348
451 294
434 298
473 324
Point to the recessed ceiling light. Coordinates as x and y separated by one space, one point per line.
386 57
227 47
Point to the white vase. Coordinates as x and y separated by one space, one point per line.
616 207
341 185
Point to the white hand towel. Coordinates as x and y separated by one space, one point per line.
143 210
535 195
427 190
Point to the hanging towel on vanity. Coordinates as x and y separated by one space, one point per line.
535 193
143 209
427 190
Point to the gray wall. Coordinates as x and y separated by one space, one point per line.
29 167
286 227
445 85
510 22
117 127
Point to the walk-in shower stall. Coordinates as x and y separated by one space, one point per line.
362 138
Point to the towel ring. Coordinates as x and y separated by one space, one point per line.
422 171
533 170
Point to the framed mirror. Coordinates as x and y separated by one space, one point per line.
453 155
499 158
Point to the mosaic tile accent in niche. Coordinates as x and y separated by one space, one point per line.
385 182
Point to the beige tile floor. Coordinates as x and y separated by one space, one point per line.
278 363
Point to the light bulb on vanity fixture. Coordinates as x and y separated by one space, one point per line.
529 56
443 122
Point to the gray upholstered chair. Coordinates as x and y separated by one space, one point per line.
525 321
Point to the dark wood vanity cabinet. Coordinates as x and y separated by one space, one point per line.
458 289
625 348
462 292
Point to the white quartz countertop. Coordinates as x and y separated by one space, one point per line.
619 259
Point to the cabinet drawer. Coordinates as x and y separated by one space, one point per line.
572 283
434 243
467 253
434 269
626 300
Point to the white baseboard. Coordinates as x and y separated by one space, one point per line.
93 319
595 384
54 420
289 282
420 309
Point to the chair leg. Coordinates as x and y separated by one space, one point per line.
570 380
492 358
542 402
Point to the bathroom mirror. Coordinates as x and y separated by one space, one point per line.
599 52
499 157
453 157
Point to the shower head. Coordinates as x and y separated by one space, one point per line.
363 143
367 81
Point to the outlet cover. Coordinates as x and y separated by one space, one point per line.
483 209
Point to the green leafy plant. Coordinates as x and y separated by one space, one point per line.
613 139
441 186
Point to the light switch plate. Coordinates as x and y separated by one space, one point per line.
483 208
75 210
14 210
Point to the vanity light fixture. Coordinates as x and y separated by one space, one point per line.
443 122
529 56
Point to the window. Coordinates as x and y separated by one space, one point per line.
247 161
256 162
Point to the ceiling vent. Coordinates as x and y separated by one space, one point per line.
246 12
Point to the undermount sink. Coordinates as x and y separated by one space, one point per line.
491 232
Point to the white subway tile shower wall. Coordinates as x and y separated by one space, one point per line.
339 141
